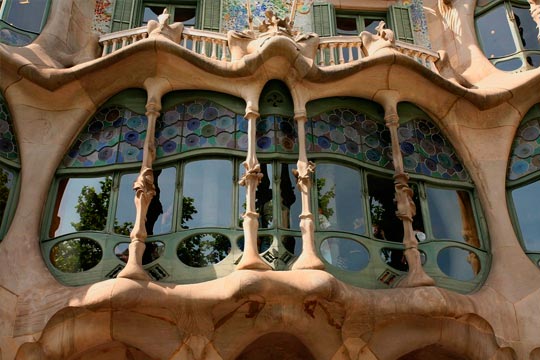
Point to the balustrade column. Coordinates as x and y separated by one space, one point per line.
251 179
406 209
304 172
144 192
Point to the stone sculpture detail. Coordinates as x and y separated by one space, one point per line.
384 38
162 28
535 14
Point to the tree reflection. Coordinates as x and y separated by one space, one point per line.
204 249
75 255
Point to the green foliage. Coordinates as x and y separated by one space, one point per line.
204 249
93 206
76 255
188 209
325 198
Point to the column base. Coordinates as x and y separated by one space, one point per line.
308 262
134 269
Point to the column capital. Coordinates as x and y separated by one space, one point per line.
251 114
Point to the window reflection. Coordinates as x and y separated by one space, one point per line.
6 185
291 199
340 199
207 197
458 263
494 33
526 28
396 258
152 251
204 249
345 254
263 243
292 244
81 204
76 255
27 15
451 215
526 204
160 211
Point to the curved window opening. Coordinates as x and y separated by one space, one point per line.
523 182
22 21
507 34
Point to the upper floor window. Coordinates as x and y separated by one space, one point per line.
524 183
203 14
22 20
327 21
508 34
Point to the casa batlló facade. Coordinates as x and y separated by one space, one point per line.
268 179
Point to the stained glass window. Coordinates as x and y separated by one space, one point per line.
525 155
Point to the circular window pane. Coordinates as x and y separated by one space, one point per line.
203 249
263 243
458 263
152 251
345 254
76 255
395 258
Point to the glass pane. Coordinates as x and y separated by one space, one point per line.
81 204
6 185
207 197
371 24
152 13
76 255
345 254
396 258
291 198
160 210
203 249
526 28
263 198
152 251
533 60
263 243
346 26
26 15
340 199
385 225
452 215
494 33
458 263
526 204
509 65
185 15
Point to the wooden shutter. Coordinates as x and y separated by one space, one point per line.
210 15
401 23
324 19
124 15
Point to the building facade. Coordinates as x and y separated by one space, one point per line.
240 179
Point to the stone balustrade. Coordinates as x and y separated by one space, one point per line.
333 50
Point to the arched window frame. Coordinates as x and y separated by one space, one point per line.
523 53
12 33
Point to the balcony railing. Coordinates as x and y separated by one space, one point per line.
332 51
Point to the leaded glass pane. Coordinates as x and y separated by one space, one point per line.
8 143
525 156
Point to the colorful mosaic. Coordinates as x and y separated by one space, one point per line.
346 131
114 135
426 151
525 155
419 22
8 142
102 16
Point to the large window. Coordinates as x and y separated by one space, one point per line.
524 183
508 34
22 20
195 220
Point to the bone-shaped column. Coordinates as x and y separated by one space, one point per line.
308 259
251 179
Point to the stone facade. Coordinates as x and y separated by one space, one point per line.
53 86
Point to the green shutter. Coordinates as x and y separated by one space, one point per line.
401 23
124 15
324 18
210 15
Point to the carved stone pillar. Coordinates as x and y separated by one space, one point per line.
308 259
144 192
405 208
251 179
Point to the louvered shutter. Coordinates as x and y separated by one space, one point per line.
210 15
124 15
401 23
324 19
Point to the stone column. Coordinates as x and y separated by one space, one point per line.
406 209
308 259
251 179
144 192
